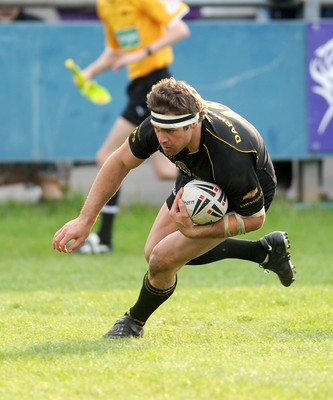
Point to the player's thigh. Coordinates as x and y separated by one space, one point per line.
176 250
170 247
162 227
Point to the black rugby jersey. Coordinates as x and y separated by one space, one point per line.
231 154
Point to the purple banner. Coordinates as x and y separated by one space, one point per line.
320 87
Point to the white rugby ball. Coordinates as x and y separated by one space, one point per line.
205 201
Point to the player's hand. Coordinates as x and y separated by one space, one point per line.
75 231
180 216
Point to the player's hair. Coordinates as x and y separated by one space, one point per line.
170 96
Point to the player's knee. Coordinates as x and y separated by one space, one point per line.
160 262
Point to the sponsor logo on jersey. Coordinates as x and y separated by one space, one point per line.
251 194
128 38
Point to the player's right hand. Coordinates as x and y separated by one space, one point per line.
73 233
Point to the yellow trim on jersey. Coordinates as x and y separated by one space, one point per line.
132 25
211 162
229 144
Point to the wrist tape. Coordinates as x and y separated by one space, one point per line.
239 225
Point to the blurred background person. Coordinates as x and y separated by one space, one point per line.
138 36
15 13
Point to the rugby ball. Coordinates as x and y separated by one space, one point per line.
205 202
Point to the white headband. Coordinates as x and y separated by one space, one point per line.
173 121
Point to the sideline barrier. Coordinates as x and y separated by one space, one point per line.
258 69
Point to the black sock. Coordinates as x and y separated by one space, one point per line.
250 250
108 215
149 300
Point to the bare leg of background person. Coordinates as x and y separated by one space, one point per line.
163 168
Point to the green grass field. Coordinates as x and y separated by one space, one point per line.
229 331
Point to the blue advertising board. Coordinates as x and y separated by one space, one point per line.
320 87
258 69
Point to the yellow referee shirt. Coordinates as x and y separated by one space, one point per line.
134 24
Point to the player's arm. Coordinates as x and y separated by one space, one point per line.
105 185
109 179
232 224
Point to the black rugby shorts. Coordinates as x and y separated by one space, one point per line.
136 109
